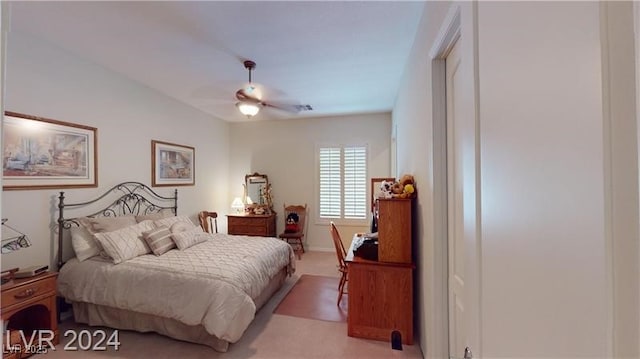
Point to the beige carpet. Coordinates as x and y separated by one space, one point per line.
314 297
268 336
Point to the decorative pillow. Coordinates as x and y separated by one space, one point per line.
84 243
159 240
186 239
181 226
155 216
171 220
125 243
291 228
106 224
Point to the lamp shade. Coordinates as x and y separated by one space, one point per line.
14 239
237 204
248 108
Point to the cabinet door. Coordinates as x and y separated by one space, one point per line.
380 301
394 230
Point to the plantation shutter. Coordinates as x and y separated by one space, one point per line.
355 182
343 182
330 182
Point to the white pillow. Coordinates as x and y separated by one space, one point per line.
154 216
125 243
181 226
106 224
168 221
189 238
84 243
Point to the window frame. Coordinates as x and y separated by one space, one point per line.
341 220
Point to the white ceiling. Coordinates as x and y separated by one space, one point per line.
341 57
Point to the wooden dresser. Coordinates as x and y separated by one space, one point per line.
28 305
252 225
381 292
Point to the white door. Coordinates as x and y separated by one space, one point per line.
461 205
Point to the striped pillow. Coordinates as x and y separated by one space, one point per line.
159 240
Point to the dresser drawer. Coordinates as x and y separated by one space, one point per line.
27 291
248 222
253 225
248 231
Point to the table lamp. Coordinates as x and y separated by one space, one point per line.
15 240
237 205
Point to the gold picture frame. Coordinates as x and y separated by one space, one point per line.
42 153
172 164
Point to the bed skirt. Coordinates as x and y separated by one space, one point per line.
99 315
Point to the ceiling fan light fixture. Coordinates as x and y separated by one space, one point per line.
247 108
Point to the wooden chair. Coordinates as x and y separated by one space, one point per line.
208 221
342 266
295 237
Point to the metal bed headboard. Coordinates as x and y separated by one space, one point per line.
131 198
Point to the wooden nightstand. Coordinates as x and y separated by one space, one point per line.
252 225
29 304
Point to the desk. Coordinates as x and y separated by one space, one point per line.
380 298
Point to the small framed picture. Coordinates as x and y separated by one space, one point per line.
41 153
172 164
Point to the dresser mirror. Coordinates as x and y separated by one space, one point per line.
257 193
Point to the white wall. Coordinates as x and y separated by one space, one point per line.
412 116
45 81
542 181
547 263
285 151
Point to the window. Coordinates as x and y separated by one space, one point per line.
342 182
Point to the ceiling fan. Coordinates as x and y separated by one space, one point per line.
250 101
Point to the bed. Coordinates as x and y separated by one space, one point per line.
205 291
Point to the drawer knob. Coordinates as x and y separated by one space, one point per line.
26 294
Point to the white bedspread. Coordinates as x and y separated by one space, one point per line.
212 283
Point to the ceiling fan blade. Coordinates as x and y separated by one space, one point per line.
287 107
252 94
242 95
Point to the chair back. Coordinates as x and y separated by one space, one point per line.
208 221
337 243
301 212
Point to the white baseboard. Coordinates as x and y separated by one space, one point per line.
321 249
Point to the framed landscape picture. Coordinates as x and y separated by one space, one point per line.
41 153
172 164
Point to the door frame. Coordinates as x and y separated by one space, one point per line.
460 24
448 35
